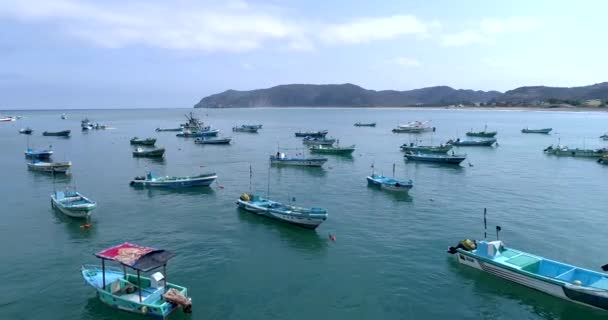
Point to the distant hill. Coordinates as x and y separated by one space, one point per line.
350 95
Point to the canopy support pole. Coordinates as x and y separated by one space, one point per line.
103 274
165 274
139 285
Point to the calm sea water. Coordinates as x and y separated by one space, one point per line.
388 260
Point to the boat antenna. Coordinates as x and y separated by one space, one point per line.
393 170
485 223
498 228
250 177
268 183
373 168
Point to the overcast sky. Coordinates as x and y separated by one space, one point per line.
158 53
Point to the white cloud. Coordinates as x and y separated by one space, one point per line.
406 62
370 29
488 30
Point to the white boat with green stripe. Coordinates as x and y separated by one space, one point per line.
558 279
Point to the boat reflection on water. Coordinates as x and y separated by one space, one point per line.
547 307
191 191
295 236
396 196
312 171
448 167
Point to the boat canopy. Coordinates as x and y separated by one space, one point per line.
135 256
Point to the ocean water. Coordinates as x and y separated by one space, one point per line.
388 260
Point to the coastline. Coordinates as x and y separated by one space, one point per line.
465 108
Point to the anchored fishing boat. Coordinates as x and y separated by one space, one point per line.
63 133
26 131
482 134
313 134
309 218
545 130
437 158
198 134
561 150
425 149
473 142
149 295
390 184
38 154
72 203
149 153
414 127
168 129
194 123
603 159
318 141
555 278
332 149
143 142
63 116
51 167
225 140
86 124
149 180
604 136
365 124
246 128
7 119
281 159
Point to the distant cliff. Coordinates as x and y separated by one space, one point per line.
350 95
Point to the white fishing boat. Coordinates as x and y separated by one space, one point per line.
51 167
72 203
414 127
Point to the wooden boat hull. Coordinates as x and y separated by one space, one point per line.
545 131
475 143
156 153
152 303
246 129
318 134
213 141
304 221
147 142
57 167
436 159
582 153
305 162
65 133
365 124
412 130
319 142
426 149
401 188
331 150
482 134
187 182
589 291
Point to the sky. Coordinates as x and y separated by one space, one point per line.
158 53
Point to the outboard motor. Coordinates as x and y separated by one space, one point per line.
466 244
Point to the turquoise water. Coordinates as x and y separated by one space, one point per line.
388 260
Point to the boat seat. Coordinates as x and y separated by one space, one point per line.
522 261
601 284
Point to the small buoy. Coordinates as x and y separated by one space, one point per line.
221 187
431 199
86 226
332 237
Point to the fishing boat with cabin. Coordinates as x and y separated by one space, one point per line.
152 181
149 153
281 159
72 203
63 133
309 218
313 134
604 136
414 127
482 134
147 292
50 167
426 148
561 280
206 140
86 124
436 158
38 154
564 151
143 142
473 142
544 130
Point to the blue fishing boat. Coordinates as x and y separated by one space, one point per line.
72 203
281 159
318 141
473 142
309 218
434 157
426 149
389 183
150 180
225 140
38 154
544 130
149 295
565 281
64 133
